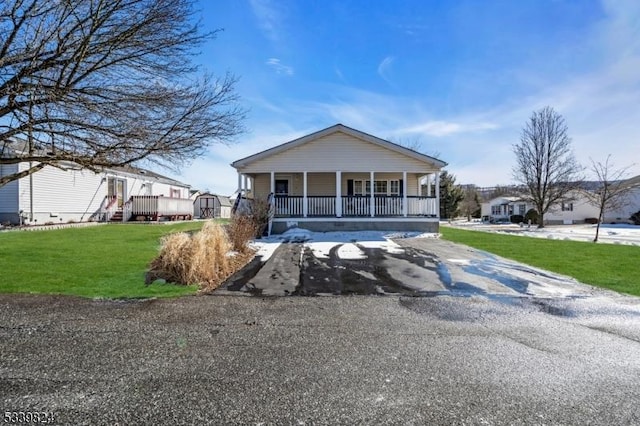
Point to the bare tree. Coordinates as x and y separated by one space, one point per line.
612 190
103 83
545 163
415 143
470 204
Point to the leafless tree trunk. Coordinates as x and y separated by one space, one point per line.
470 204
545 164
612 191
103 83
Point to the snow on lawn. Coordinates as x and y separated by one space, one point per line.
609 233
321 243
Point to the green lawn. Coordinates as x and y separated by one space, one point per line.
612 266
100 261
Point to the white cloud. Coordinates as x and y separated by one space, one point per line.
384 68
279 67
269 18
443 128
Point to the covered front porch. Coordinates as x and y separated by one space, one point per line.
346 194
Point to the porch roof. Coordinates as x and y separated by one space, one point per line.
333 129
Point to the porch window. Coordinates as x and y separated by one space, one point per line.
522 209
174 193
380 187
358 187
496 210
394 186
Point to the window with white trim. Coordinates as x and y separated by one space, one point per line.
380 187
394 187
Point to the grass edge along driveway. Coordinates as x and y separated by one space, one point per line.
104 261
611 266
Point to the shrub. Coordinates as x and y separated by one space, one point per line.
531 215
240 231
591 220
203 258
636 218
517 218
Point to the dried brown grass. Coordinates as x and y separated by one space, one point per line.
240 231
205 258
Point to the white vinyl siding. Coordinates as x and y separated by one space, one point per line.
338 151
9 191
60 196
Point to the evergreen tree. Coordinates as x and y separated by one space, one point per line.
450 196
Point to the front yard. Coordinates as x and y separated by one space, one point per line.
611 266
107 261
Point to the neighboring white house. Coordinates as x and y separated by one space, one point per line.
323 181
74 194
209 206
501 209
576 209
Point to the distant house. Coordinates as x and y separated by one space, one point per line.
340 178
500 209
575 209
210 206
75 194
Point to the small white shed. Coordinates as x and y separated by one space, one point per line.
211 206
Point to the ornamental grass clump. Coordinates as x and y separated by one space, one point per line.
204 258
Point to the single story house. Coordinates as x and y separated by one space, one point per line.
209 206
500 209
340 178
75 194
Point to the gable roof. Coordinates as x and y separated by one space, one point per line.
334 129
223 200
16 146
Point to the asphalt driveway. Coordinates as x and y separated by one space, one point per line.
401 266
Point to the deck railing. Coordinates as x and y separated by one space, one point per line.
355 206
156 206
108 207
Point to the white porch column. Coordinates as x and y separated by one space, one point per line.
339 193
437 189
245 183
272 185
239 182
305 205
405 209
428 186
372 207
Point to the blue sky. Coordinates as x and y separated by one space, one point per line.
459 77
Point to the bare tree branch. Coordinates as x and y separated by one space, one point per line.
612 189
545 164
106 83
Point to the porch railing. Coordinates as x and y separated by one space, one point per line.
155 205
355 206
108 207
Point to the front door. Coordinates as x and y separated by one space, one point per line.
117 188
282 187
